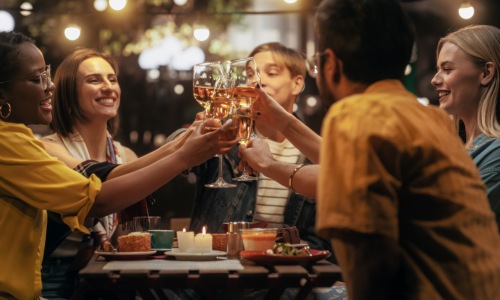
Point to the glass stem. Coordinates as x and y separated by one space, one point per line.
220 167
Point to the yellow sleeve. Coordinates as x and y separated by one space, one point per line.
29 174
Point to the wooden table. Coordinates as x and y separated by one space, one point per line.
274 279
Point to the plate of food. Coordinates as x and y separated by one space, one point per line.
285 254
195 256
116 255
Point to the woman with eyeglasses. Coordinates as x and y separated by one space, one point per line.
32 181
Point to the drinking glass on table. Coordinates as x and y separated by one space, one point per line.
246 78
145 223
220 111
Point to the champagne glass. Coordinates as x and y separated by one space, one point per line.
220 109
205 76
246 78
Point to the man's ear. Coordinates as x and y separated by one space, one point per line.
332 66
488 73
298 85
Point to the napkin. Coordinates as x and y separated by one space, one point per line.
156 264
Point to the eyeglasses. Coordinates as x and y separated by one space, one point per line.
312 64
43 78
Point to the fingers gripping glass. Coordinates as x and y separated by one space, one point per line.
42 78
246 78
312 64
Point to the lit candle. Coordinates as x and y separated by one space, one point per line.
185 240
203 242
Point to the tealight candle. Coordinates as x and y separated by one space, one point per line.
185 240
203 242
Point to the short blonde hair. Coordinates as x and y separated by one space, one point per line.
291 59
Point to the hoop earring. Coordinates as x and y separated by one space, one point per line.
3 108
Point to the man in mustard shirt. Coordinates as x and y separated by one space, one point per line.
399 197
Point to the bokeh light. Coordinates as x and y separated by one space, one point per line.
466 11
100 5
117 4
180 2
26 8
7 22
72 32
201 33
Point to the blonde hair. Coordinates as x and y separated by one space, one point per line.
291 59
481 43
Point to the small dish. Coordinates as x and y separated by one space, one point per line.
193 256
264 258
126 255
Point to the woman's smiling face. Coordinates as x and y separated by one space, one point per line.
457 81
30 103
98 89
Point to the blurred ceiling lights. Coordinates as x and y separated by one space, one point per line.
201 33
72 32
117 4
26 8
100 5
180 2
6 21
466 10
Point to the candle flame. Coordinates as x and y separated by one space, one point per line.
184 229
204 230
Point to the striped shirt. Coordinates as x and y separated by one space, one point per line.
272 197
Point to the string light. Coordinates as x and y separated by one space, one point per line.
117 4
72 32
26 8
180 2
466 10
201 33
6 21
100 5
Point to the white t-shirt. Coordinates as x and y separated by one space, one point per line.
272 197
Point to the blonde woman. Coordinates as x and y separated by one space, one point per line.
467 81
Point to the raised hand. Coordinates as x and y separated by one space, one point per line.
202 145
255 156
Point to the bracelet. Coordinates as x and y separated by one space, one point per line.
290 180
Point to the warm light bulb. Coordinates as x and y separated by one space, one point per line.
201 34
72 32
290 1
466 11
180 2
6 21
117 4
100 5
26 8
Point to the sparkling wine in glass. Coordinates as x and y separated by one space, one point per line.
246 78
220 109
205 77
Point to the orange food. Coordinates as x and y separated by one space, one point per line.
134 242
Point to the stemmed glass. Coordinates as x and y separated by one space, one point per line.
220 109
243 72
205 76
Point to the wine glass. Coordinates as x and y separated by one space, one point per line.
205 76
220 109
246 78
